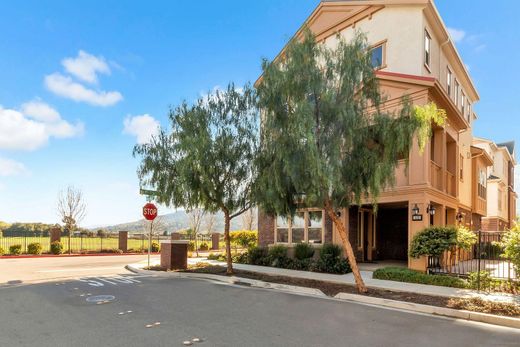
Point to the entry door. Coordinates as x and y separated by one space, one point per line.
366 233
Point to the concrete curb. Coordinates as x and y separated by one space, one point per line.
231 280
434 310
402 305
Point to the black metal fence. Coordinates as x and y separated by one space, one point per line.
484 255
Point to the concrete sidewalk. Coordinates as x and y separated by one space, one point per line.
369 281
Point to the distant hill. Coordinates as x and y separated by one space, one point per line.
173 222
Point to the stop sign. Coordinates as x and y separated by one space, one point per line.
149 211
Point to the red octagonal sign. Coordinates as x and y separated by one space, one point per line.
149 211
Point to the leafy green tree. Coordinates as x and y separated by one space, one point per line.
206 160
511 244
326 140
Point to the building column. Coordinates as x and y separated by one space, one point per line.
414 227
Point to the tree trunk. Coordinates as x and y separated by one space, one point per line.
347 247
227 239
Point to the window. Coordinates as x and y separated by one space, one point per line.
462 103
461 167
306 226
456 92
482 182
377 56
468 114
500 199
427 48
282 230
449 78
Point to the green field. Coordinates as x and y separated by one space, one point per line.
78 244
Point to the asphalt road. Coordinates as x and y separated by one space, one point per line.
58 314
36 270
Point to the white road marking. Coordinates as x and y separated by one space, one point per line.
113 280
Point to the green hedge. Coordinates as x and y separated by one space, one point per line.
406 275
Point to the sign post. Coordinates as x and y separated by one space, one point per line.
149 213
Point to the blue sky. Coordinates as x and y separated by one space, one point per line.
82 81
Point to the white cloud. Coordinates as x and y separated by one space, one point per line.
142 126
39 110
86 66
64 86
10 167
32 130
457 35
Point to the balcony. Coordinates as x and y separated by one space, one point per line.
444 181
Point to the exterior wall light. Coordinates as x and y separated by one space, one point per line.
459 217
415 209
430 210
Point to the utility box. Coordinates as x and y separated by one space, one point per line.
174 254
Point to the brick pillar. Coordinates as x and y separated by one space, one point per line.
174 254
265 228
123 241
55 234
175 236
215 240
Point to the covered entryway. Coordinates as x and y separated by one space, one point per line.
391 232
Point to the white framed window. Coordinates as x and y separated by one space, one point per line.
306 226
449 79
427 48
377 56
468 113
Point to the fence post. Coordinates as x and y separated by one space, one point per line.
478 257
142 242
101 238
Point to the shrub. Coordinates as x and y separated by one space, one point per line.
511 244
303 251
191 246
56 247
465 238
155 247
406 275
2 251
15 249
278 256
34 248
244 238
258 255
485 280
215 256
433 241
331 261
300 264
203 246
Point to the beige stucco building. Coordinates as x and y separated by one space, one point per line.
414 56
501 196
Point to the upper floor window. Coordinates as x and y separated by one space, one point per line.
461 171
456 92
468 114
427 48
377 56
482 183
462 104
449 78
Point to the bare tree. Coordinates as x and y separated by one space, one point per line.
157 226
249 219
196 217
71 209
209 223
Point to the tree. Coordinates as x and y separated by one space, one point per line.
195 217
209 223
326 141
157 226
248 219
206 160
71 209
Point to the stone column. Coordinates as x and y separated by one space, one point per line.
414 226
174 254
175 236
123 241
215 240
55 235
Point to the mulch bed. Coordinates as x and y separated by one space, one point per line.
331 289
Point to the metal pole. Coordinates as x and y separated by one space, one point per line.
150 244
478 257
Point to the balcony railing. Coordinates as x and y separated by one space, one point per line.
451 184
436 175
446 182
